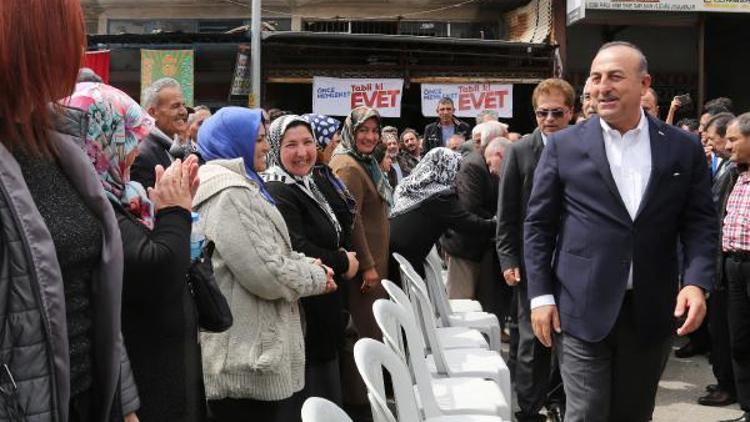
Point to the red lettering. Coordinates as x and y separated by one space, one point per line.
464 101
357 99
490 101
477 102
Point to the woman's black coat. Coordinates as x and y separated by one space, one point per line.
159 319
314 235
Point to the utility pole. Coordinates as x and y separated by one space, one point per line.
255 70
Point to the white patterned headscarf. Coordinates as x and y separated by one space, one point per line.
434 174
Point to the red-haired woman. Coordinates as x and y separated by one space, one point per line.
60 250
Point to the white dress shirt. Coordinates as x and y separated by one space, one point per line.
629 158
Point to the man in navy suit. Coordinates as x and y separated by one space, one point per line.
611 198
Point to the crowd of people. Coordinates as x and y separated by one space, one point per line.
587 241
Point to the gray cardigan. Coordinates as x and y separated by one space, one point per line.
31 283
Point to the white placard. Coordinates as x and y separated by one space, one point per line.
337 97
737 6
469 99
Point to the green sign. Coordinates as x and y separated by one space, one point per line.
175 64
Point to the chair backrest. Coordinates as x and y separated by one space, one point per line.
406 270
388 313
428 323
371 357
318 409
436 287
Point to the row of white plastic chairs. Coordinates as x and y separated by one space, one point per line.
444 371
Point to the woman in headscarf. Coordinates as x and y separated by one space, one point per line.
159 321
353 163
327 132
316 231
253 369
426 205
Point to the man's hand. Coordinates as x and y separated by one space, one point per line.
131 417
544 319
692 298
512 276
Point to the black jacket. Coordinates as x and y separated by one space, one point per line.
415 232
33 297
153 150
721 189
313 234
477 192
516 181
159 320
433 134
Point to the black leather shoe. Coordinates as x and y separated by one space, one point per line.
555 413
744 418
712 387
717 398
689 350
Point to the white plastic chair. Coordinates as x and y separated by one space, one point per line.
484 322
467 362
316 409
437 396
436 288
371 358
448 337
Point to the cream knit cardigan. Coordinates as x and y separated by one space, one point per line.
262 355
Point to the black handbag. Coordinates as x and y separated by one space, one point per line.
214 314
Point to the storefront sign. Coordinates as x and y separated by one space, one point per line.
576 10
175 64
337 97
469 99
672 5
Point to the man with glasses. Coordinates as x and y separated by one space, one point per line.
553 101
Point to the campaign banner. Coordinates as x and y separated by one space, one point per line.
241 82
337 96
737 6
175 64
469 99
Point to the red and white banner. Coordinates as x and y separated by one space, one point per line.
469 99
337 97
98 61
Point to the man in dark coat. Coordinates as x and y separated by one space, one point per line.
611 198
472 264
553 101
166 104
436 134
723 392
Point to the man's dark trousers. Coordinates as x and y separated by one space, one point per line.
738 274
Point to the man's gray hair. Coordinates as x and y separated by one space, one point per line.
151 95
492 114
194 115
477 129
642 67
86 74
743 122
492 130
389 129
498 143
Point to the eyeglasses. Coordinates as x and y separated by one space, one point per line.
556 113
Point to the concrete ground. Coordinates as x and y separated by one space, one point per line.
684 380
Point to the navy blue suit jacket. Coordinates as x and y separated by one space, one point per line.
580 240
